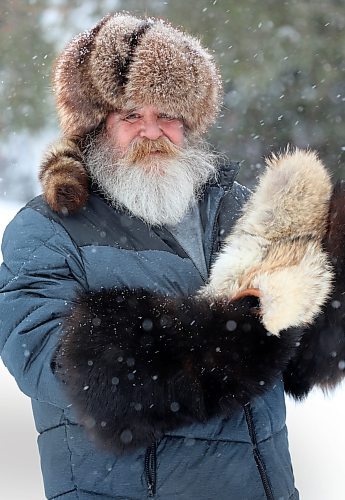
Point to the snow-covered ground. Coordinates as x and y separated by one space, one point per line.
316 429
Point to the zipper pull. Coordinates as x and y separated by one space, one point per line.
150 468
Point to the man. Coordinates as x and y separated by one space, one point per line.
138 389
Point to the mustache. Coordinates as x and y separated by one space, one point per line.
139 149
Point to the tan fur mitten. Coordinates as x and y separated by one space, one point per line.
275 247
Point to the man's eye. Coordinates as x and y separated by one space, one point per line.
132 117
169 118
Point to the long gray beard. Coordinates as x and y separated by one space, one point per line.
160 191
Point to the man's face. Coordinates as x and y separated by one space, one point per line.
146 122
143 161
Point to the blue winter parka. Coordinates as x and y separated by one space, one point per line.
47 260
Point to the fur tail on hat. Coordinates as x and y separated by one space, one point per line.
275 246
64 180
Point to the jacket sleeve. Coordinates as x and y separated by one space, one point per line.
320 358
39 276
137 364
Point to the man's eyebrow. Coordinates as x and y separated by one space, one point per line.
129 111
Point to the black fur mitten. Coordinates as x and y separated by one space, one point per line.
136 364
320 359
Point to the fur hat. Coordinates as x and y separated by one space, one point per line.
127 60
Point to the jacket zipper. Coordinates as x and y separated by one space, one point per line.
151 452
259 462
213 234
151 468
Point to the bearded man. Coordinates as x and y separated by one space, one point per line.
138 389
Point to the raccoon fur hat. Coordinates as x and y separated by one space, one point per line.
127 60
275 248
123 61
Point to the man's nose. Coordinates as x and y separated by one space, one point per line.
151 130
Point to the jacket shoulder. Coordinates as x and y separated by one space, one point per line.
30 230
30 226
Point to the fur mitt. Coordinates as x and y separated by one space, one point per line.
275 248
136 364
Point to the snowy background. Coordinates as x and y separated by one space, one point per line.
316 429
283 66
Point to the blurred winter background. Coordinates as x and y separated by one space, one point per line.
283 67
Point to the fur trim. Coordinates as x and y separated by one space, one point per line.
276 244
320 359
64 180
137 364
124 59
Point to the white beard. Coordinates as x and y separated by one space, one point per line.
160 189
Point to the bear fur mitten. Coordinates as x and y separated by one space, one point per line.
136 364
